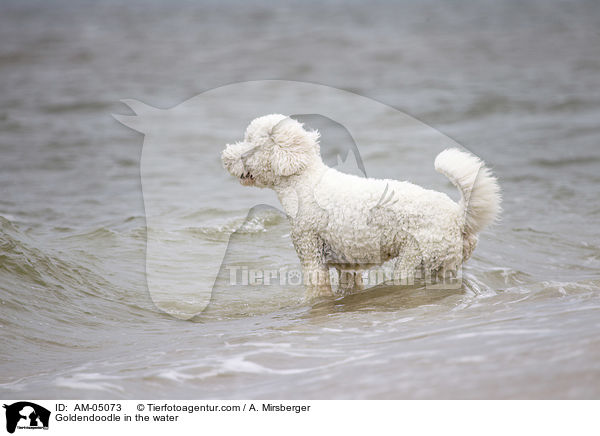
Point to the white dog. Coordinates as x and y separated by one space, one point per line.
353 223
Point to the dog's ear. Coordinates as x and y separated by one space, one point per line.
286 161
293 147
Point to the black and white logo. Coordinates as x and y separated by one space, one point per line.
26 415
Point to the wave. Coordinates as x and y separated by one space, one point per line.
260 219
34 277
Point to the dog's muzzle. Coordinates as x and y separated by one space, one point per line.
247 179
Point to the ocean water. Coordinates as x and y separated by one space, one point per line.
517 84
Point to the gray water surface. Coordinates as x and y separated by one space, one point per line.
517 84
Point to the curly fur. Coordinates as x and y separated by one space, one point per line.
353 223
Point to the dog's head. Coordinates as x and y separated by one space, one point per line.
274 147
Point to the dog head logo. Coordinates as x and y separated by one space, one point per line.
26 415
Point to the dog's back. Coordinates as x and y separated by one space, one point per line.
369 221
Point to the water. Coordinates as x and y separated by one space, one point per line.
516 84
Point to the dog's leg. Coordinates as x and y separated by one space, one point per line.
309 247
316 279
350 281
404 271
346 281
358 281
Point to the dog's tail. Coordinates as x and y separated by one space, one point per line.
480 193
